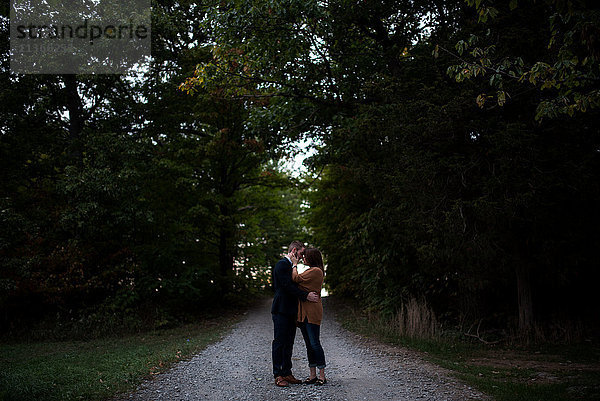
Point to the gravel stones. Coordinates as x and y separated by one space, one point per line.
239 368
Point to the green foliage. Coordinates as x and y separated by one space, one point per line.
152 200
422 193
564 67
126 202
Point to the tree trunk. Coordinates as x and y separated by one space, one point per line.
225 254
525 301
225 258
76 117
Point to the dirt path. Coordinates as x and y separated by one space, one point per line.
239 368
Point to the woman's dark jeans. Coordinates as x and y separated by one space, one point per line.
314 351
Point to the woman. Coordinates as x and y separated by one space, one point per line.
310 314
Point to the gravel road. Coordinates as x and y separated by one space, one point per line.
239 368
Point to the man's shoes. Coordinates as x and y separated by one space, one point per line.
281 382
291 379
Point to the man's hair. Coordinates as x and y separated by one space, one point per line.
295 245
313 258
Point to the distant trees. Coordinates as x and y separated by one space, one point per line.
123 196
161 191
486 213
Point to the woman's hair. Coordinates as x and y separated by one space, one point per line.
313 258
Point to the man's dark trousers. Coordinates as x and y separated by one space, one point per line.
283 343
284 312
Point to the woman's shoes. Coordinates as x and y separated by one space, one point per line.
315 380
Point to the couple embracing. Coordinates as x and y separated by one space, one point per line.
297 303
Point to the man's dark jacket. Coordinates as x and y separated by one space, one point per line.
287 292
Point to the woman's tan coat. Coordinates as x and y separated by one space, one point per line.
309 280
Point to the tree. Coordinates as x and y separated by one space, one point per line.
564 70
125 197
422 194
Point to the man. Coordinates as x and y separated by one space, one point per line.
284 312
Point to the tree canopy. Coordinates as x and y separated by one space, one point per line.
126 201
458 163
429 190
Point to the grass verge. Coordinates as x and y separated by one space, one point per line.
101 368
569 372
